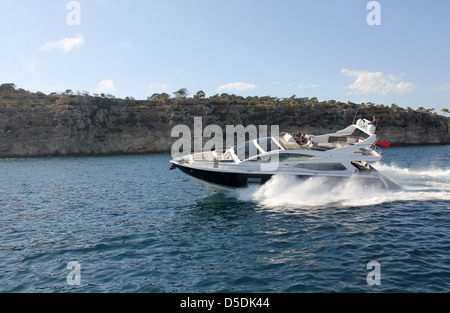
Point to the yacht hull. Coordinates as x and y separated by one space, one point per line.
223 181
230 180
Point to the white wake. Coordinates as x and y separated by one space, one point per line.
288 191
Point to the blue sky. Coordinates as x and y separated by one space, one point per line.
323 48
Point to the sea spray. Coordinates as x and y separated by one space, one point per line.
286 190
431 174
289 191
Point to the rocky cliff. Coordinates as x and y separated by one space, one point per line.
62 125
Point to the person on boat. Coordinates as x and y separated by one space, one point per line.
310 143
302 138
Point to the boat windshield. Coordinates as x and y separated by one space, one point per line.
246 150
268 144
255 148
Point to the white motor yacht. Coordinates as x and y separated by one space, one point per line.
340 155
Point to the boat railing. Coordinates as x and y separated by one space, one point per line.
211 156
377 149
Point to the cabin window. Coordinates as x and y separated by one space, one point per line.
357 133
264 158
283 157
323 166
286 157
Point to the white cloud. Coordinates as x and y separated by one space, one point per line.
237 86
304 85
29 64
158 86
65 44
445 87
276 83
105 86
376 83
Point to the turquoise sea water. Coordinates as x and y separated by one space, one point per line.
134 226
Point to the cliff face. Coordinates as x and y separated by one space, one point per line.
99 126
82 130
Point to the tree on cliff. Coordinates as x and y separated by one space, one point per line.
69 92
154 97
200 95
423 110
181 94
159 98
6 89
164 97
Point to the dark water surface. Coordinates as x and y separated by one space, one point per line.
134 226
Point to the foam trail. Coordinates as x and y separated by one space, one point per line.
431 174
282 191
287 191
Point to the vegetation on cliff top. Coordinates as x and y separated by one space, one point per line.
11 95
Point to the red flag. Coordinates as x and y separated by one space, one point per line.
383 143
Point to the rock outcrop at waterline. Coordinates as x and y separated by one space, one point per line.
61 125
